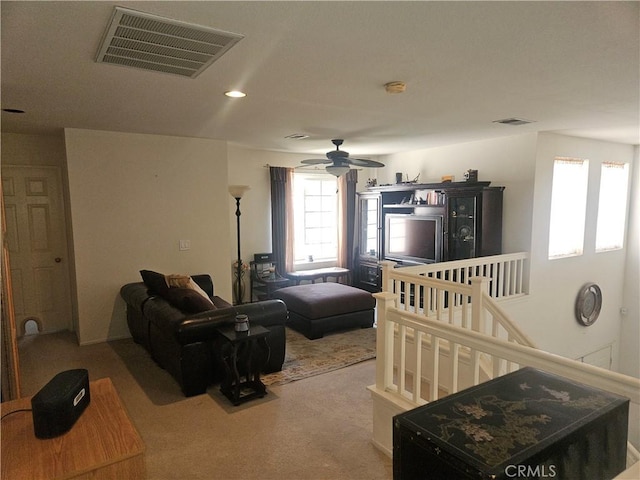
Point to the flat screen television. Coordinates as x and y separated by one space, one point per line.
413 238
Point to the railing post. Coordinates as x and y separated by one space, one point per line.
384 339
387 266
479 285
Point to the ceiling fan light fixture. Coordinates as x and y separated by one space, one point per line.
337 170
340 161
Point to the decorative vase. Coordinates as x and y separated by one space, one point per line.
238 299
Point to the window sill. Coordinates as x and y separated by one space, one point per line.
302 266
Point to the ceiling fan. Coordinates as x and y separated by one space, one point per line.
340 160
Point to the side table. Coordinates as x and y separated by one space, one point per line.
319 273
243 355
102 444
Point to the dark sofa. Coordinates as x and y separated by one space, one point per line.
184 340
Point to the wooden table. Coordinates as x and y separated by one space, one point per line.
313 275
103 443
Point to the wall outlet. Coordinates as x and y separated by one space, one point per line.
185 245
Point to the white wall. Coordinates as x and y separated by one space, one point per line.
250 167
630 328
18 149
524 165
130 195
507 162
548 317
133 197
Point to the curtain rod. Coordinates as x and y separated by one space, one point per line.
306 167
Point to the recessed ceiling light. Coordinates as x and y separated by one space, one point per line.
12 110
235 94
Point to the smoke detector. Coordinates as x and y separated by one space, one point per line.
395 87
146 41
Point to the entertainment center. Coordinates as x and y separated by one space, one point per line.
412 224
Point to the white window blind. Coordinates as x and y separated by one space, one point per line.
568 206
612 206
315 217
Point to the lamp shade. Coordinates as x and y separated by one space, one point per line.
237 191
337 170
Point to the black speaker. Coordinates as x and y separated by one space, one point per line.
462 228
263 257
58 405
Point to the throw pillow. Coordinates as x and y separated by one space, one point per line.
177 280
188 300
154 281
185 281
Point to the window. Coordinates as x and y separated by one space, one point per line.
612 206
315 217
370 226
397 231
568 207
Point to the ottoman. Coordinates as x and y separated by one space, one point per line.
318 308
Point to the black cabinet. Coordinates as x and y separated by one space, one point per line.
526 424
367 274
455 221
473 223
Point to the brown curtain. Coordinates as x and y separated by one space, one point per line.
282 218
347 218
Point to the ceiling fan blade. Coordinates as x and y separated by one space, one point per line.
363 162
316 161
340 161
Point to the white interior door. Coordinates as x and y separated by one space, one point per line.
37 241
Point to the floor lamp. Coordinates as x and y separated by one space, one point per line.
236 192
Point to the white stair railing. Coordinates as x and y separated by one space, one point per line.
508 274
466 304
394 324
436 337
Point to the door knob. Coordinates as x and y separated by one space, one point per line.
58 259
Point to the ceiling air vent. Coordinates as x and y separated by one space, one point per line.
141 40
297 136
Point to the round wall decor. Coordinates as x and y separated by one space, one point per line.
588 304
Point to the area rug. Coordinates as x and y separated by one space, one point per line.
307 358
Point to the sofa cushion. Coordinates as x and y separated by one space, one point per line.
188 300
155 282
185 281
205 282
221 303
177 280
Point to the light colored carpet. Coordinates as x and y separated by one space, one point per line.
307 358
319 428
